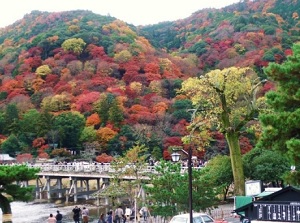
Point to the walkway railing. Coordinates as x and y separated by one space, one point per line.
93 168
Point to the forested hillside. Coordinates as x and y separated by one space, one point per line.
249 33
93 84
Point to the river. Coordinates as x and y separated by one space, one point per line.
32 212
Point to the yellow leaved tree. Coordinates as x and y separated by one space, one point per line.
227 98
75 45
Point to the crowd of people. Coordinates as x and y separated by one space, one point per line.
55 219
121 215
79 215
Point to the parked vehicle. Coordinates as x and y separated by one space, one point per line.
197 218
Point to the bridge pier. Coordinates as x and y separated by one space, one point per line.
98 184
75 189
87 189
48 187
59 184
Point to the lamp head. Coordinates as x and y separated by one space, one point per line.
175 156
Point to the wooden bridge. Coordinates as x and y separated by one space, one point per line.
73 180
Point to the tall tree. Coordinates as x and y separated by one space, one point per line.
115 114
9 174
281 124
103 107
28 125
227 98
46 123
11 118
70 126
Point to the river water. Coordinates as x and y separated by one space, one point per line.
39 212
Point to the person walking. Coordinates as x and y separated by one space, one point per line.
118 214
128 213
58 217
109 217
101 218
144 212
76 214
51 219
85 215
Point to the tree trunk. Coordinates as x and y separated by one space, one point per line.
236 163
6 209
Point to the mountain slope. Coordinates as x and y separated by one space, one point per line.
85 81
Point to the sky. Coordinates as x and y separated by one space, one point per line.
136 12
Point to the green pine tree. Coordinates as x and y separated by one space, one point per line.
9 191
281 125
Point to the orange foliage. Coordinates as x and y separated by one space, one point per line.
93 120
10 85
2 138
104 158
37 83
160 108
138 108
38 142
152 68
105 134
180 97
52 39
267 5
43 155
43 148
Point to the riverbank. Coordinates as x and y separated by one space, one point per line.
39 210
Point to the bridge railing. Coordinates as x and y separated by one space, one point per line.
93 168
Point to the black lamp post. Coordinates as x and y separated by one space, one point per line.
175 158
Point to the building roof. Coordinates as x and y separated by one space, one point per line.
289 193
6 157
268 191
264 193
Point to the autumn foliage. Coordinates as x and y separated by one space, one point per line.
117 77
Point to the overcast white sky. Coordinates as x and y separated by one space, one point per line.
136 12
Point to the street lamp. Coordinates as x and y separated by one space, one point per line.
175 158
